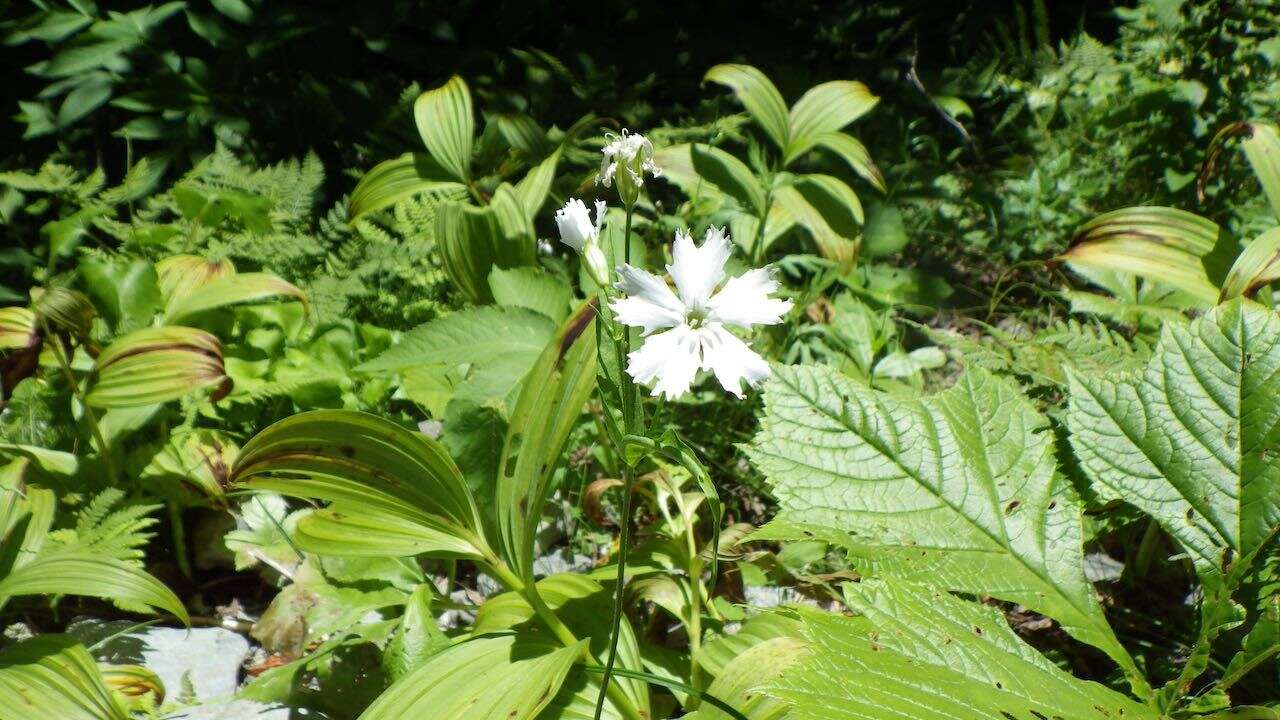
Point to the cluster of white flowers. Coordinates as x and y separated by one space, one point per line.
685 330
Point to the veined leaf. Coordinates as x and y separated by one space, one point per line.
157 365
180 275
447 125
1262 148
827 108
230 290
489 677
532 288
52 677
473 335
911 653
829 211
417 639
1255 268
758 95
533 187
475 240
1190 440
551 399
958 490
391 181
64 572
742 680
1158 243
381 480
846 147
714 166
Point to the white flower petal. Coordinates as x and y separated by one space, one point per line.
731 360
574 222
649 303
668 361
744 301
697 270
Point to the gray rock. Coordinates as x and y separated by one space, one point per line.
210 657
237 710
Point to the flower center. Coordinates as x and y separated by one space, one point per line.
696 317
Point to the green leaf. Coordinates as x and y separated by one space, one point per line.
53 677
1190 440
827 108
911 653
847 148
88 95
829 210
230 290
532 288
417 639
447 125
1261 645
534 186
551 399
1255 268
1162 244
389 489
65 572
758 95
741 681
472 335
724 172
884 232
126 292
391 181
157 365
1262 148
958 490
475 240
489 677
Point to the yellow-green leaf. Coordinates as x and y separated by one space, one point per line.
758 95
394 180
447 125
53 677
157 365
1255 268
230 290
828 107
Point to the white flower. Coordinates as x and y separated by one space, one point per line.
574 222
632 153
695 319
578 232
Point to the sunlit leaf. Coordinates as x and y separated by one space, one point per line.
1255 268
446 123
394 180
827 108
52 677
156 365
229 290
758 95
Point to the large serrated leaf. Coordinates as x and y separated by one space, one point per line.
1192 439
958 490
474 335
911 653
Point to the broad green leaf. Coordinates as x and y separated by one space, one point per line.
708 164
127 293
847 148
473 335
522 133
742 680
551 399
89 94
381 480
53 677
475 240
229 290
180 275
1191 439
1255 268
391 181
417 639
1261 647
489 677
1262 148
910 653
157 365
716 655
447 125
65 234
56 463
531 288
827 108
758 95
829 211
209 206
65 572
1157 243
534 186
958 490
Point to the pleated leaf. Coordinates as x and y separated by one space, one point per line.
758 95
391 181
847 148
447 125
1255 268
157 365
958 490
92 575
498 678
53 677
910 653
1163 244
392 491
827 108
474 240
231 290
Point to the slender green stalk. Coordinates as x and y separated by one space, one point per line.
91 419
628 480
179 531
695 609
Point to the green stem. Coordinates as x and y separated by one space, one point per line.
179 539
91 419
757 245
628 479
